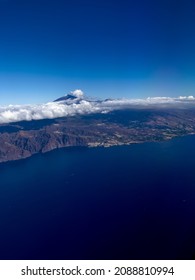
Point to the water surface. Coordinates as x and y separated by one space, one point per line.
128 202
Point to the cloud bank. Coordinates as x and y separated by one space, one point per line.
15 113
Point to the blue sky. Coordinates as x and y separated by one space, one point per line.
107 48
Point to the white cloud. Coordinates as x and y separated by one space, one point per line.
14 113
187 97
77 93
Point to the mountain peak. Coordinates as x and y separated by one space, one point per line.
73 95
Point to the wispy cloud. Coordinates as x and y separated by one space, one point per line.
15 113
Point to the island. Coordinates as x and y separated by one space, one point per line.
19 140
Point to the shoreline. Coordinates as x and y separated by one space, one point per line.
91 146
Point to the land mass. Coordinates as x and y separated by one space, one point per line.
121 127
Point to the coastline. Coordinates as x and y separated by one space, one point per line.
95 145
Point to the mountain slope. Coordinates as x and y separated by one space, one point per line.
23 139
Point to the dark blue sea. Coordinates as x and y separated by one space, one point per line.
127 202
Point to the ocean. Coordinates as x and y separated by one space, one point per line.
123 202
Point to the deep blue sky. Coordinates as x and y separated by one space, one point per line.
107 48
